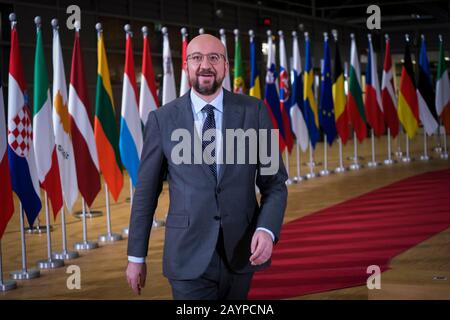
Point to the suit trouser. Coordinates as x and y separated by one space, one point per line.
218 282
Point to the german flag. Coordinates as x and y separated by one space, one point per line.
408 106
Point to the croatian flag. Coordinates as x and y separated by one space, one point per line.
130 142
22 163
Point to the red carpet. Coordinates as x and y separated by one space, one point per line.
332 248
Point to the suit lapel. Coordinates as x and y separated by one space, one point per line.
233 117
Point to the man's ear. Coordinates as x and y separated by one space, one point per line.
184 65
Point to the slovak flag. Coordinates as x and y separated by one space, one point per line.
22 163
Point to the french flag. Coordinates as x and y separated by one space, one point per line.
130 142
22 163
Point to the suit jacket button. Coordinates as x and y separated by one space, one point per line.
219 189
217 218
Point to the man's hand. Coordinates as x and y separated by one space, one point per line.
261 247
136 274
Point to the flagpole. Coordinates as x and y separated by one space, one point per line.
399 152
444 155
85 244
298 177
286 157
355 165
407 158
24 274
325 171
64 254
49 263
311 173
125 230
341 167
373 163
8 284
424 156
109 236
389 160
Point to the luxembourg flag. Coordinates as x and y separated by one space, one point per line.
21 157
130 142
148 98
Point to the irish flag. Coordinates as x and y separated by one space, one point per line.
43 136
443 89
86 159
355 104
148 98
130 141
105 129
238 81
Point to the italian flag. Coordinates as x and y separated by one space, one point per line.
443 90
105 129
355 102
43 136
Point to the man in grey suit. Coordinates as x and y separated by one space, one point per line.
217 235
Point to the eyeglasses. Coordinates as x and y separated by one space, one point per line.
213 58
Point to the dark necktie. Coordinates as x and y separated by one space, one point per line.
210 123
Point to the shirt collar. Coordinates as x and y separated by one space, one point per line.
198 103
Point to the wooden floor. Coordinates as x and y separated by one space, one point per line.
103 269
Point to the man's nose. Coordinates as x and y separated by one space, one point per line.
205 63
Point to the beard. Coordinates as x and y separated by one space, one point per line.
208 87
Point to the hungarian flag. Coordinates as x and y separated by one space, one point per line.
309 103
6 199
408 107
443 89
21 156
226 81
326 112
130 141
169 92
339 98
148 98
238 81
355 104
299 127
61 127
43 135
285 96
271 98
184 85
255 85
388 97
105 129
425 93
86 159
374 108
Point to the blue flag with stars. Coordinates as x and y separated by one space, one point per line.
326 107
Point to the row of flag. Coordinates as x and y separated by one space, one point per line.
336 111
57 147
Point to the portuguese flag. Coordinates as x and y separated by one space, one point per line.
105 129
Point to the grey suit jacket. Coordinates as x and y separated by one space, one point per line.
200 205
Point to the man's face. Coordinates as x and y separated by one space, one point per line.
206 65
